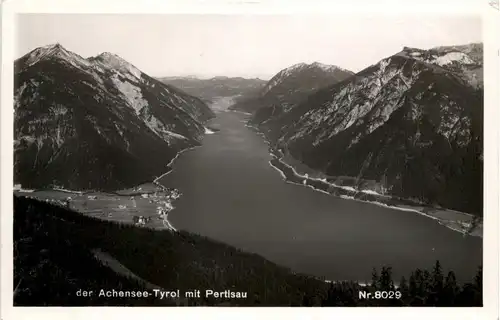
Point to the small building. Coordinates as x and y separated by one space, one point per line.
140 221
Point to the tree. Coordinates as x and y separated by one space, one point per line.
426 282
412 286
436 286
478 287
478 279
329 299
450 289
437 276
417 288
403 288
385 281
306 301
375 279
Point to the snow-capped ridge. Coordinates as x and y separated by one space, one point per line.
298 67
446 55
57 51
53 47
463 61
105 60
108 59
295 66
465 48
327 67
323 66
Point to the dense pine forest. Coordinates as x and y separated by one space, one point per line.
54 258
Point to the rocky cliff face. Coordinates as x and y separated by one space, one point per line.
412 125
466 61
97 123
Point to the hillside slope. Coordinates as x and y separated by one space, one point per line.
88 123
410 125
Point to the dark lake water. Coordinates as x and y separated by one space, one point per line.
230 193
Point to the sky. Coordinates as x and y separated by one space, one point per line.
242 45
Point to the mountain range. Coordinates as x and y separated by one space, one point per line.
96 123
410 125
209 89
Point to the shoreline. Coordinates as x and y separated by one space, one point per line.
238 111
349 193
459 221
171 163
166 222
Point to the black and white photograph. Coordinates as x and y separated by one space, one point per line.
248 160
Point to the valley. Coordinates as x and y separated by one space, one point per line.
210 90
326 172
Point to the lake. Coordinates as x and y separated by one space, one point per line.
230 193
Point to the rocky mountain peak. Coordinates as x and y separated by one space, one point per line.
327 67
303 70
466 61
116 62
53 51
